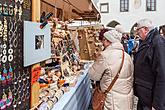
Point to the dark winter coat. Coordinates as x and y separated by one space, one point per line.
149 81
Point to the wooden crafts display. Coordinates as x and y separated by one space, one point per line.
88 42
55 79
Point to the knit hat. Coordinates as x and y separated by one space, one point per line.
113 36
119 28
102 31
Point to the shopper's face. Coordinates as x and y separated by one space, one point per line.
161 32
142 32
105 42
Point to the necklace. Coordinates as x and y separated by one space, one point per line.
1 36
1 29
4 57
15 37
10 51
5 29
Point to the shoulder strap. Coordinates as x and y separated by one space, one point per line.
117 75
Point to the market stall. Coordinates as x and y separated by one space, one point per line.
41 65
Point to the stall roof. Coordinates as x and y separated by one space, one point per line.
77 9
85 9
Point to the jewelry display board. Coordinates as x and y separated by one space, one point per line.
14 79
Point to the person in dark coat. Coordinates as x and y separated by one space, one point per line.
162 30
149 68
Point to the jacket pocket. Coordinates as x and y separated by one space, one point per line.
143 83
144 94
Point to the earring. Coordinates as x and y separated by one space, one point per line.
27 4
15 10
4 57
16 1
11 11
14 103
20 13
10 98
5 9
10 57
4 74
10 74
21 1
3 100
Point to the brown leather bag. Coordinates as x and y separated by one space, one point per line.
99 97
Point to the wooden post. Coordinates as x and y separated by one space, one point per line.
35 86
36 5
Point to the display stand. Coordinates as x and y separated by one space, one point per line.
78 98
14 78
88 41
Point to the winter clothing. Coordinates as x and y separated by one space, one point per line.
113 36
149 71
120 97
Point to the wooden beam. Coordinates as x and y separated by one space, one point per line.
36 10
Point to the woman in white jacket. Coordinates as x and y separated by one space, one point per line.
120 97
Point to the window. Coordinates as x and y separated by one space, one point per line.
104 7
124 5
151 5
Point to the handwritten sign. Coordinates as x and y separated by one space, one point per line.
35 73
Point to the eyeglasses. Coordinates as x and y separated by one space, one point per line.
140 28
